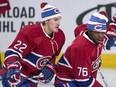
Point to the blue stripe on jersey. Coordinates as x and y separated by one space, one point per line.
68 84
32 58
62 60
85 83
10 52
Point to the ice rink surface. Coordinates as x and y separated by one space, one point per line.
109 75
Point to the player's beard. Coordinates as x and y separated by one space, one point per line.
99 41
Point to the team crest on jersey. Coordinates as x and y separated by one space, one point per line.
97 64
41 62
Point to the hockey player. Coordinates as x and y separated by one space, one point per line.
79 64
34 50
111 31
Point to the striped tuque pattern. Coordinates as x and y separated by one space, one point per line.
49 11
98 21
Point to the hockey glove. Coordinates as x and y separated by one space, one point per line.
111 33
110 42
13 73
48 72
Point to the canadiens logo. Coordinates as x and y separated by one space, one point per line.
56 10
41 62
98 27
97 64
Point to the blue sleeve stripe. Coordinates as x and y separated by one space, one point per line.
11 52
33 57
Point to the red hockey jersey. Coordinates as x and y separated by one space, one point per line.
33 48
4 6
80 60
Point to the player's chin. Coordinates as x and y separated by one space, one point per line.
56 30
99 42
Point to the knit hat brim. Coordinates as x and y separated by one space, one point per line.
97 22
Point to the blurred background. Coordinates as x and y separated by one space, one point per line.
22 12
